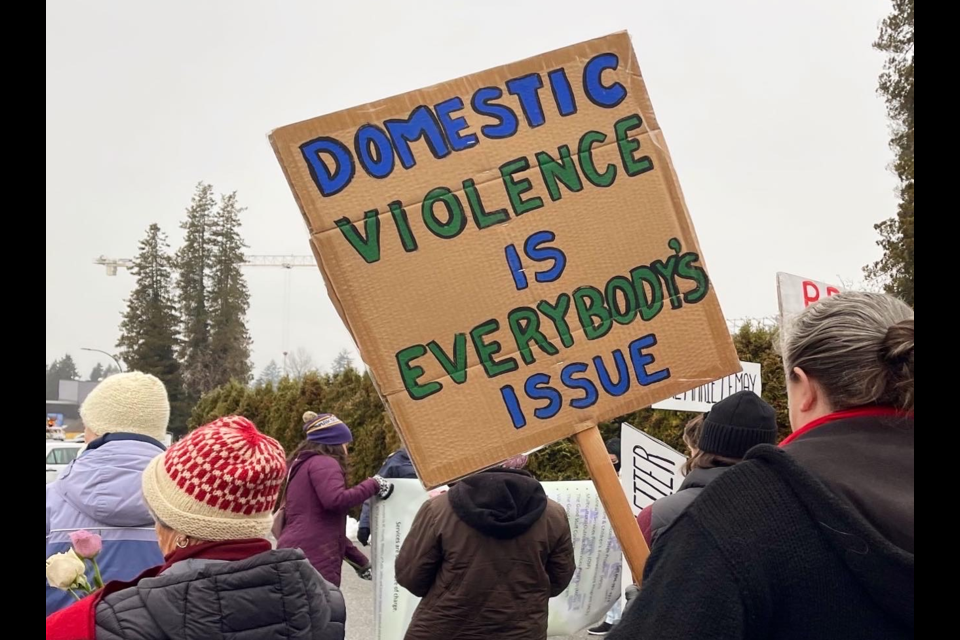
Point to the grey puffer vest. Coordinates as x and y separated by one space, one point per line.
271 596
666 510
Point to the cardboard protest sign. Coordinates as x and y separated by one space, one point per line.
796 294
594 589
649 470
511 252
702 399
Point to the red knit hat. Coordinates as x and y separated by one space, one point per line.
220 482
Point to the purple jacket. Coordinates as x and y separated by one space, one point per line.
315 514
100 492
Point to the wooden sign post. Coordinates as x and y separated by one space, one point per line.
614 500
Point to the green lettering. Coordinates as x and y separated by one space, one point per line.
557 312
620 284
410 374
487 351
525 326
631 164
399 214
605 179
455 367
650 304
516 188
481 217
554 172
369 247
589 303
689 270
456 222
668 272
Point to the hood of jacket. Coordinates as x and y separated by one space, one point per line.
103 483
884 570
402 459
500 503
276 594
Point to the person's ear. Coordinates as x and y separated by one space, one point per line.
807 392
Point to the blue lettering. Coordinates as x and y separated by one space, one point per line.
513 407
589 389
533 249
562 93
516 268
642 360
376 160
537 388
421 124
527 89
623 374
607 96
328 182
507 122
453 126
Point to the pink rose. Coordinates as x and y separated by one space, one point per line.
85 544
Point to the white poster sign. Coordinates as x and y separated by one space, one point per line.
594 589
649 470
703 398
796 294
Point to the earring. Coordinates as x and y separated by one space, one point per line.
182 542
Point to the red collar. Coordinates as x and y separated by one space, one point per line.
229 550
863 412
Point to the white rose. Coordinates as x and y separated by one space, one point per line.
66 571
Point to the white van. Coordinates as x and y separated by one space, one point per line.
59 455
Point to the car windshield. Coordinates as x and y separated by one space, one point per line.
62 455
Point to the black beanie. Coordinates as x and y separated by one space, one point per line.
737 424
613 446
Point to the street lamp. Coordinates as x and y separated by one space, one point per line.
109 355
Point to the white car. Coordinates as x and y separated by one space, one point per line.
59 455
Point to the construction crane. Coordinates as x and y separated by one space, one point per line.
113 265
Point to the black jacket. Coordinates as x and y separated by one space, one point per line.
271 596
769 552
665 511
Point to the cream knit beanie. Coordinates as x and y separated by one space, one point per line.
221 482
128 403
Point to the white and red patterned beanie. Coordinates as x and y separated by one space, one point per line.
220 482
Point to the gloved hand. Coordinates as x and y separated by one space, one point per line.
630 594
386 487
363 535
365 573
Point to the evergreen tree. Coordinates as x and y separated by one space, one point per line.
271 374
97 374
194 263
149 330
111 370
342 362
895 268
63 369
229 298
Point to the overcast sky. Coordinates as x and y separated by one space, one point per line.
770 110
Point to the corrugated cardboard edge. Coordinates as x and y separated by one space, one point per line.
348 119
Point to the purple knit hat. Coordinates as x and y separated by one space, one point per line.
328 429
